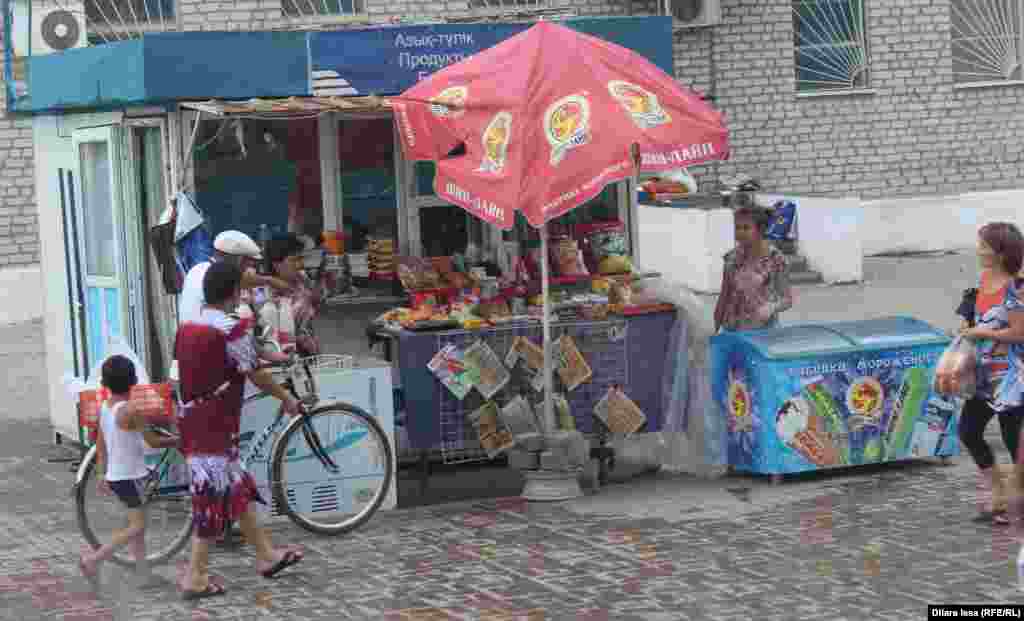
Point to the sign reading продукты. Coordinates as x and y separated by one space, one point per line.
387 61
967 611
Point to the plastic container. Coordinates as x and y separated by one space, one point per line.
334 242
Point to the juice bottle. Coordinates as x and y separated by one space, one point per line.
905 411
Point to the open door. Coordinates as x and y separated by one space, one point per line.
108 312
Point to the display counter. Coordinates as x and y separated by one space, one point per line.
627 352
809 397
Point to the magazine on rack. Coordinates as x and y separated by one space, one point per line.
449 366
490 374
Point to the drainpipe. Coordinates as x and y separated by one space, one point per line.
7 13
713 88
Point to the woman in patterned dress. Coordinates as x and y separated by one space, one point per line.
999 335
290 312
216 353
755 281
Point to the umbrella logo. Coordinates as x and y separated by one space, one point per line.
451 97
495 141
640 103
567 125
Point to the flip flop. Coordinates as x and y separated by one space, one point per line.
212 590
291 557
93 578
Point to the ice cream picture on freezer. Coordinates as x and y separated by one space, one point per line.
804 432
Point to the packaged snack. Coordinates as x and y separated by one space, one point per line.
567 257
572 366
601 240
495 438
417 274
619 413
612 265
519 416
563 414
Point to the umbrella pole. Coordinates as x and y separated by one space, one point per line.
548 416
557 483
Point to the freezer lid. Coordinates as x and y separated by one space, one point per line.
890 332
797 341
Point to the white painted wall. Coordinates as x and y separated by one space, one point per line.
685 245
23 299
936 223
688 244
831 235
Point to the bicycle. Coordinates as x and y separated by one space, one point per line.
304 454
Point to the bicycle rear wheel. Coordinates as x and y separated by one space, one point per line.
168 511
322 500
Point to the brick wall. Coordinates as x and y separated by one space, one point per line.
915 135
19 237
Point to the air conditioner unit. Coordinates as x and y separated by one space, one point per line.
694 13
53 27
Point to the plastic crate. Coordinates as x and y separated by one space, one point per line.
152 399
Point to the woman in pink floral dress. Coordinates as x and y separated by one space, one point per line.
290 313
755 281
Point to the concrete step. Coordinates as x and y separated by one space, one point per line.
800 272
797 263
807 277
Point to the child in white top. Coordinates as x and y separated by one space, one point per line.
120 448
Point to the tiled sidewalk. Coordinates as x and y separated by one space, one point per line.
878 545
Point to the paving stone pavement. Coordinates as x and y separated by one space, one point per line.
876 544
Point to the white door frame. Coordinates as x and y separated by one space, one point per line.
135 246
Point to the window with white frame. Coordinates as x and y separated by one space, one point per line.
986 40
830 45
114 20
322 8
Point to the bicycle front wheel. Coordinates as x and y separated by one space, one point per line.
168 511
322 499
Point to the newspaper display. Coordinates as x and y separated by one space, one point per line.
449 366
485 366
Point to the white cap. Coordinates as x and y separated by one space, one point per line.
237 243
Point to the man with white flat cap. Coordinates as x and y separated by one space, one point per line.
230 246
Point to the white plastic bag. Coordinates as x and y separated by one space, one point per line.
956 371
115 346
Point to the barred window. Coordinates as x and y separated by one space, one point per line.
986 40
114 20
322 8
830 45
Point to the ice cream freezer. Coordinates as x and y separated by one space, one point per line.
809 397
367 386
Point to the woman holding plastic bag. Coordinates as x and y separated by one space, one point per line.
997 341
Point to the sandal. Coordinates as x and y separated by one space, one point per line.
212 590
999 518
291 557
93 578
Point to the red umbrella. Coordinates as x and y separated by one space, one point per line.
543 121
